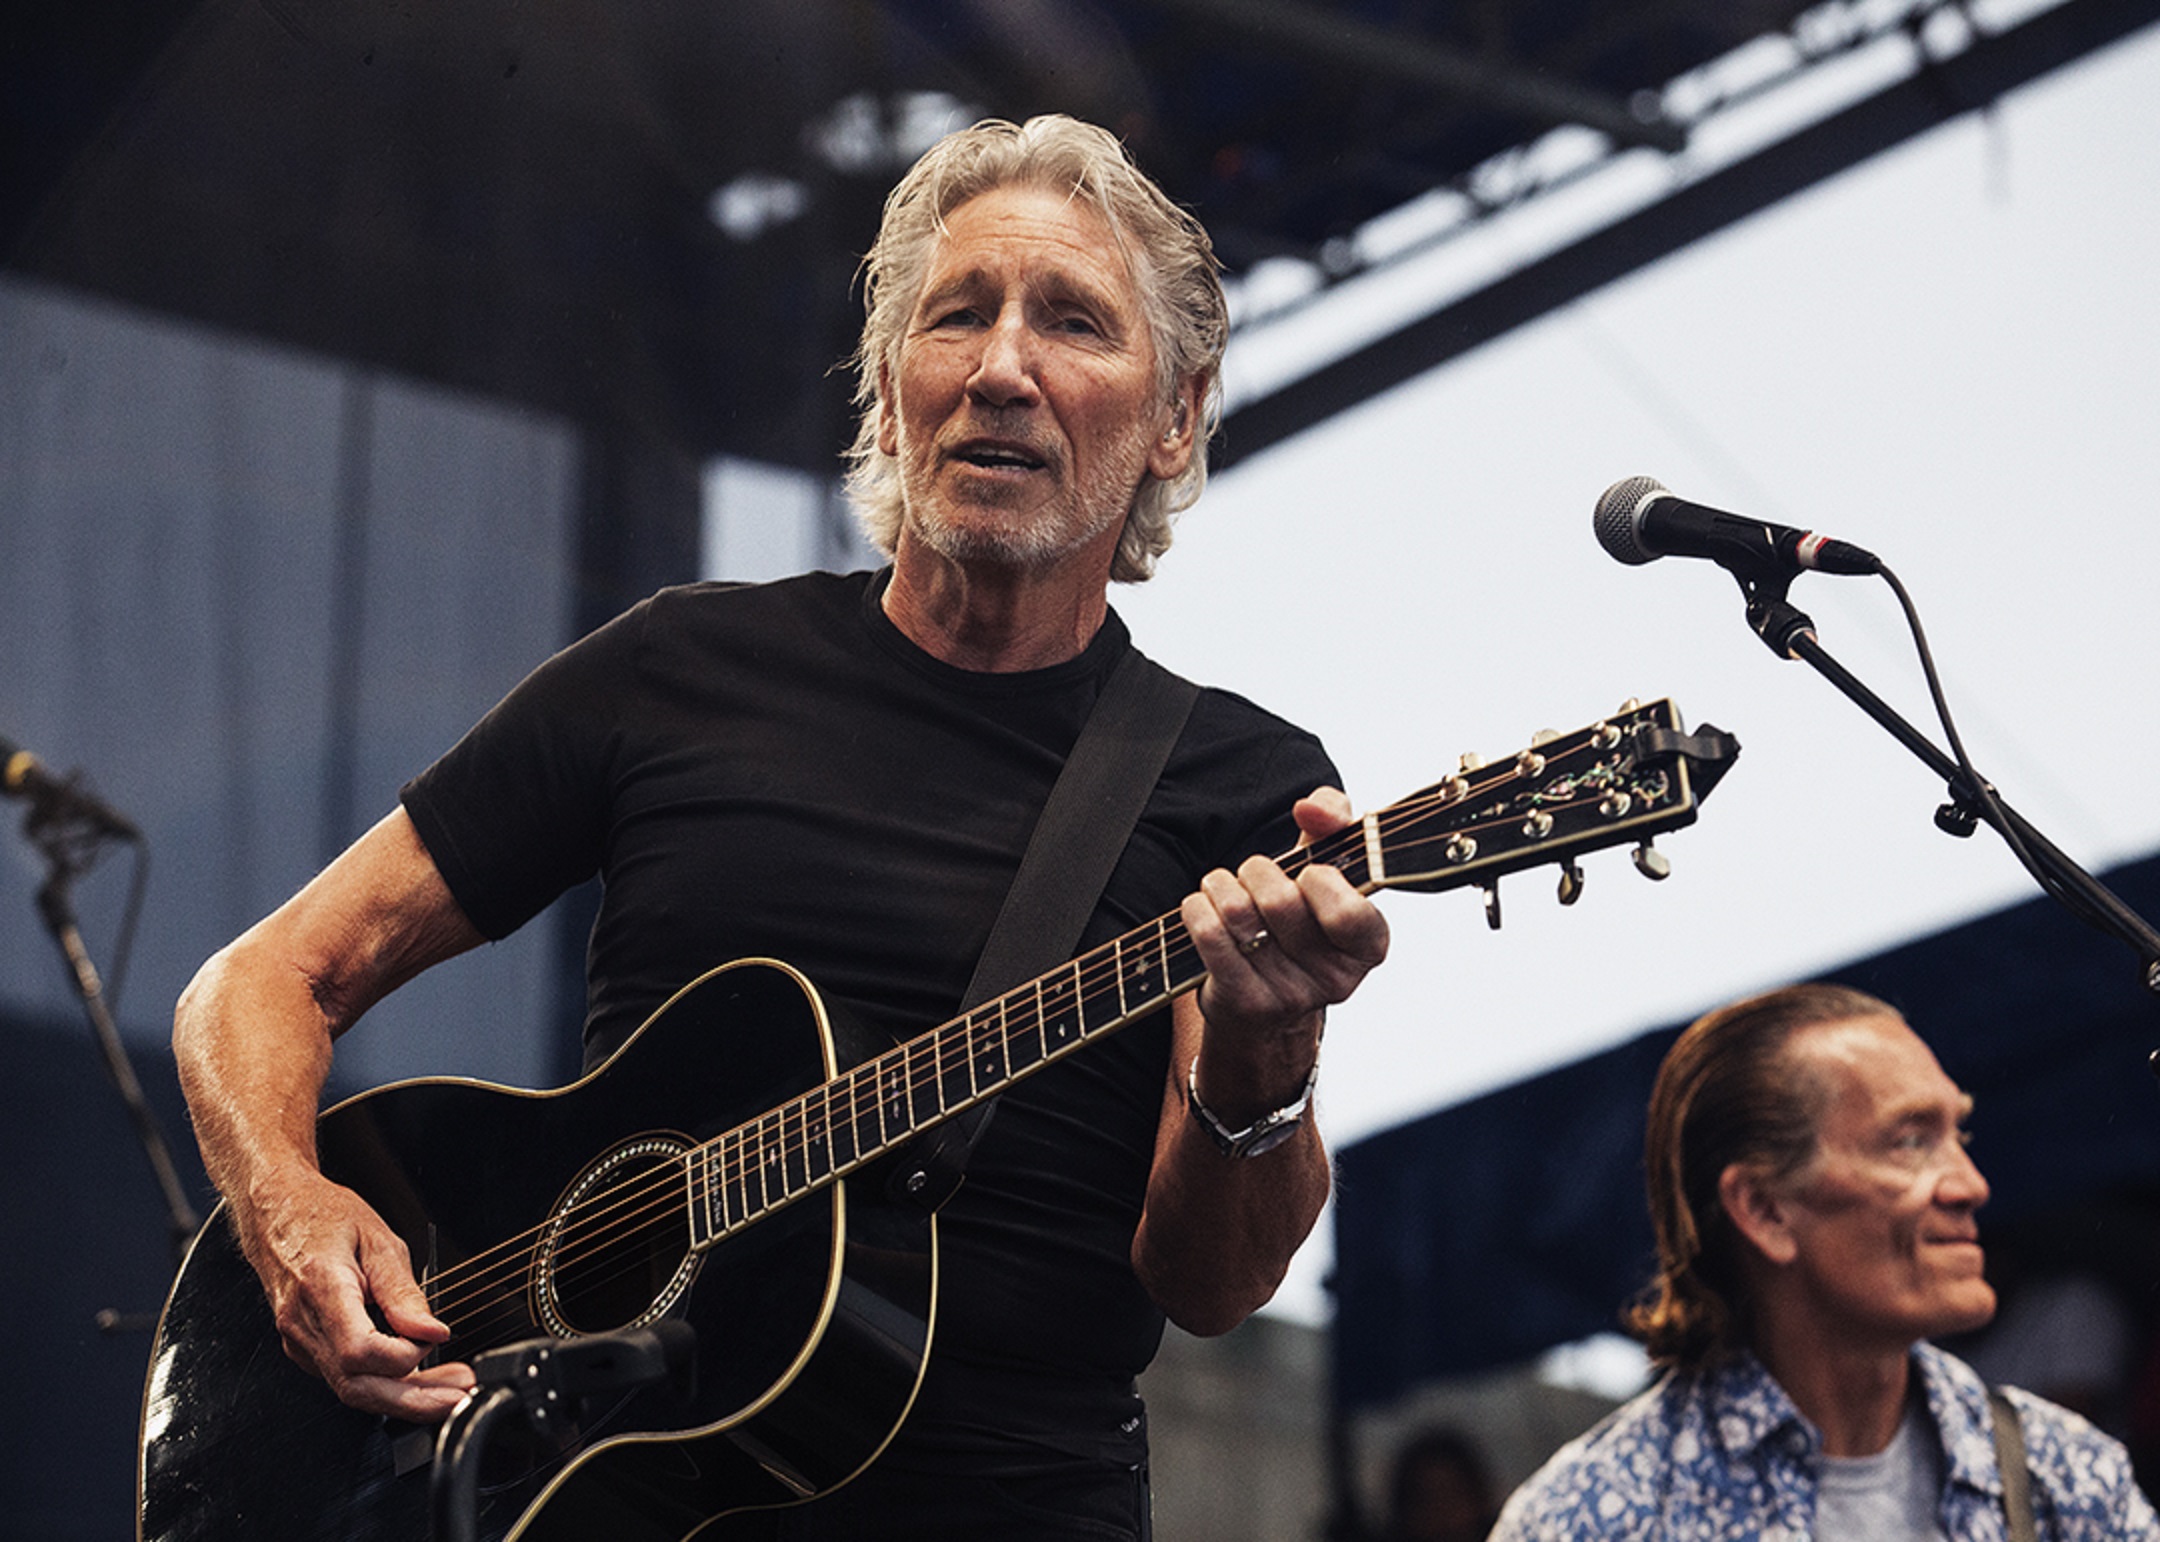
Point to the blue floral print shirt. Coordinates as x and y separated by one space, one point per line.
1724 1456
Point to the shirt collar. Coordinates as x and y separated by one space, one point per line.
1748 1408
1957 1401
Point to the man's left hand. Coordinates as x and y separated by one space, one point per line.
1278 950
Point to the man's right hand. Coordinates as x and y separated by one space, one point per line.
347 1305
252 1037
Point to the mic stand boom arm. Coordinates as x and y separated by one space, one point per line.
1788 633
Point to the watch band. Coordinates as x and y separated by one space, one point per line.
1264 1133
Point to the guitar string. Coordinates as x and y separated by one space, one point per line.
952 1044
869 1091
629 1208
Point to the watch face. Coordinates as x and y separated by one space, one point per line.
1268 1140
1263 1134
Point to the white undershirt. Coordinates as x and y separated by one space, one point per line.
1891 1496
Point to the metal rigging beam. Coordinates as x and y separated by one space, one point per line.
1936 94
1311 33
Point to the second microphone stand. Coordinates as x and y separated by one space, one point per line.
68 848
1790 634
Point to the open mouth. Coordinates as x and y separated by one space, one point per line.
998 457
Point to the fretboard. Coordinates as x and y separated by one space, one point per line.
874 1108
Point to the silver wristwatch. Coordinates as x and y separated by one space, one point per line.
1264 1133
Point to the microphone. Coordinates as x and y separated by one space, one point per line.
1639 520
56 798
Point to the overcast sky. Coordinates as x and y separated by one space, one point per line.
1951 356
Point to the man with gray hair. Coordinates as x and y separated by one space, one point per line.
1813 1202
843 772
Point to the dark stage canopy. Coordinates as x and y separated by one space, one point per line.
648 215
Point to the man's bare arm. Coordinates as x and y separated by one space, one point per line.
1218 1231
253 1034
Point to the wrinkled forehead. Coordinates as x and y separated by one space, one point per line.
1064 225
1873 1071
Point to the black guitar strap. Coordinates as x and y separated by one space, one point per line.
1077 840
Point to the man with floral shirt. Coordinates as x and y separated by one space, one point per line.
1813 1201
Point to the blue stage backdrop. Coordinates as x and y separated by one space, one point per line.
1479 1236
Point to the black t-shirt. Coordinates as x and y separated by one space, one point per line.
776 771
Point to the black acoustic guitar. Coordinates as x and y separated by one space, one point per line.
668 1188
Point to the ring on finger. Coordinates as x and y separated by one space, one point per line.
1255 942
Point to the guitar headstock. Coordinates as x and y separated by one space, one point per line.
1625 778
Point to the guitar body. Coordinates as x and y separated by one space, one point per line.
812 1326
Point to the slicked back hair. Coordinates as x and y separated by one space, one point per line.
1728 1092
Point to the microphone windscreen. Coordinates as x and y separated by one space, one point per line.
1617 520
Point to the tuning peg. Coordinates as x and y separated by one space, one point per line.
1632 704
1492 903
1543 737
1469 760
1651 863
1571 882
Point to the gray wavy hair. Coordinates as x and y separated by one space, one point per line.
1168 252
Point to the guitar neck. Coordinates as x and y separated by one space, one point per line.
876 1107
1621 779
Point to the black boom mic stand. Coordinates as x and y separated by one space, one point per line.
1790 634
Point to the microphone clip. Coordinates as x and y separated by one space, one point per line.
1770 616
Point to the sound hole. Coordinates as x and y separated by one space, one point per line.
616 1250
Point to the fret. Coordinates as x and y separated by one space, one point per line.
1060 992
1099 1006
751 1173
1375 859
794 1164
771 1188
956 1066
840 1122
817 1134
736 1201
926 1090
1142 980
698 1198
1025 1042
865 1127
724 1216
892 1097
986 1051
